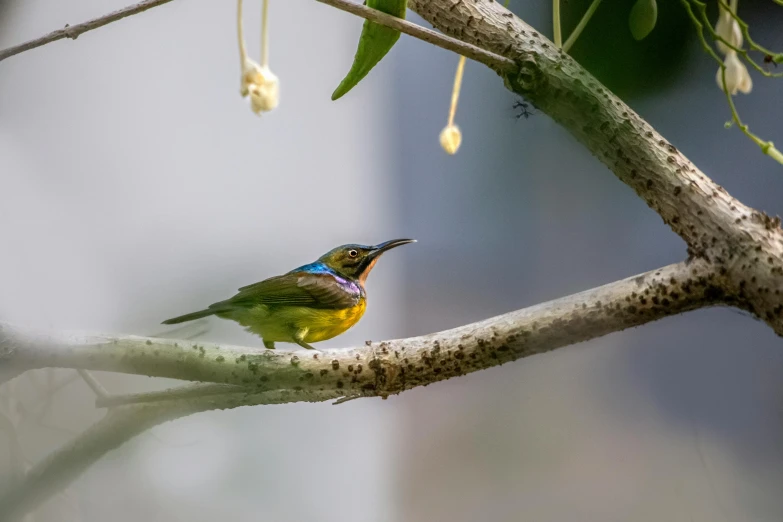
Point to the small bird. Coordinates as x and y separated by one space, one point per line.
312 303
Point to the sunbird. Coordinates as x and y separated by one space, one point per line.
312 303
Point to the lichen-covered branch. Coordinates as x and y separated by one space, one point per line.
387 367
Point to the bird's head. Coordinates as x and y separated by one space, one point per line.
356 261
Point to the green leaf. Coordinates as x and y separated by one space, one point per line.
376 40
643 17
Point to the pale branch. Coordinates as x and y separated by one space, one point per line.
61 467
387 367
73 31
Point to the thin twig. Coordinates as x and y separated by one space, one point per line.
73 31
343 400
493 60
500 63
92 382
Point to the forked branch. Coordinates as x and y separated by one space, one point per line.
253 377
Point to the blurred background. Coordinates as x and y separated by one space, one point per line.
137 185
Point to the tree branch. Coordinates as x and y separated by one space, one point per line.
743 243
73 31
388 367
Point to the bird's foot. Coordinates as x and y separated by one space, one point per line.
299 338
269 345
304 345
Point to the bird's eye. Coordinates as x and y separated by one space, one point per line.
353 253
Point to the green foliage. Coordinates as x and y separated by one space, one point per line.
642 18
630 68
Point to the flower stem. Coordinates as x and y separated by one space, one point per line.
455 91
241 35
581 25
556 23
264 34
766 146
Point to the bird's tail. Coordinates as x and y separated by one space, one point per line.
191 317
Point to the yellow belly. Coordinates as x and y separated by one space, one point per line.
282 323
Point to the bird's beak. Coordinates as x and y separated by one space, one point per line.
375 253
388 245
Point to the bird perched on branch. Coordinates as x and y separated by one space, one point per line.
312 303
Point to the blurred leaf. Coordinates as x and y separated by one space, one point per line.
642 19
375 41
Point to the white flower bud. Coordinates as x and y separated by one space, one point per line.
728 29
257 81
450 138
261 85
737 76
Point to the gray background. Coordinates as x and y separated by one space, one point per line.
138 185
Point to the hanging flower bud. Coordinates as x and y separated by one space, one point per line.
258 82
450 138
261 85
641 21
737 75
728 29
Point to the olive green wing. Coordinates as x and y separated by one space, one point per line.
314 290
